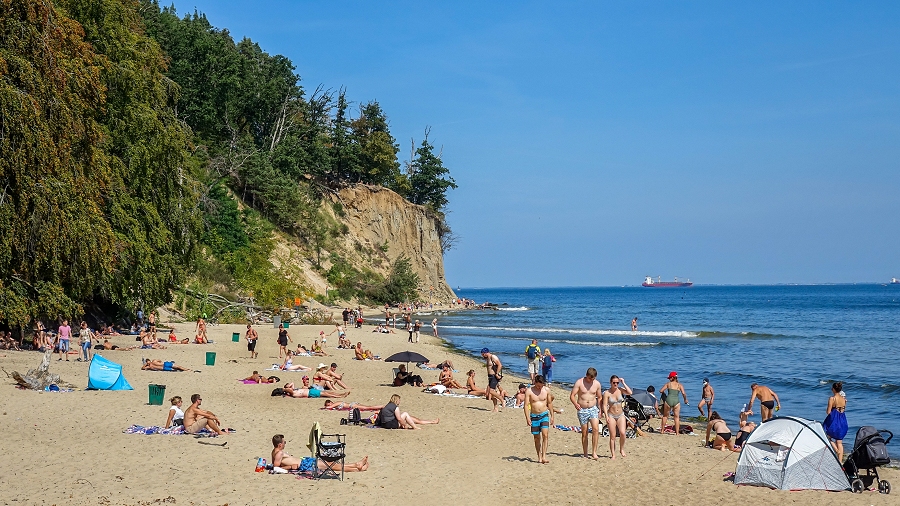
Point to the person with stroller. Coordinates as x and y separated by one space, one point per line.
835 423
613 406
670 392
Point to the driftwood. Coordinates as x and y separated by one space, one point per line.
40 378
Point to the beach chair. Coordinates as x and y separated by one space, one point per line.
332 454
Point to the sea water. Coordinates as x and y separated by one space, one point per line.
796 340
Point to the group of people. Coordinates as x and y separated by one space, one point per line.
194 418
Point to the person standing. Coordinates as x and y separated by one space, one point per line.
85 338
671 403
634 324
151 321
584 397
768 401
495 374
547 365
416 328
539 415
140 317
63 336
613 404
707 398
283 339
345 315
835 423
252 337
533 359
434 327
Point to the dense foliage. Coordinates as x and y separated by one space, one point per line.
128 138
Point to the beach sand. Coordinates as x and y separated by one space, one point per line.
69 448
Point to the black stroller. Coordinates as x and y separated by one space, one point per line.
638 413
869 452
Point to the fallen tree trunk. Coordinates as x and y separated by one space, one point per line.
40 378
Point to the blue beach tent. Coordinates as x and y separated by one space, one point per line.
106 375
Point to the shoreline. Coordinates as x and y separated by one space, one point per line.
80 437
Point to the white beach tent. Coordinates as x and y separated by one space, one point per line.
790 453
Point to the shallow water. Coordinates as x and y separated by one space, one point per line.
795 339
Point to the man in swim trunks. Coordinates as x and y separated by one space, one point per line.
159 365
281 459
539 415
252 337
768 401
196 419
707 398
495 374
584 397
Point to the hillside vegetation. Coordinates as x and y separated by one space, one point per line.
142 152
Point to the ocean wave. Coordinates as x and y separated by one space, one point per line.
595 343
639 333
716 333
523 308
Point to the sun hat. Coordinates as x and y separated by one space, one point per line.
321 366
673 374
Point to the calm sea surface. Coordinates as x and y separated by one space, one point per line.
795 339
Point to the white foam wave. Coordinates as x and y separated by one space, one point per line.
523 308
588 343
641 333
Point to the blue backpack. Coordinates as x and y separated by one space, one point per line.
532 352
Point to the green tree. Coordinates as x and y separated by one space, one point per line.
428 178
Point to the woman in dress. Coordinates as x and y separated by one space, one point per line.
283 339
835 423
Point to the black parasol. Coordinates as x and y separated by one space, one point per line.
407 356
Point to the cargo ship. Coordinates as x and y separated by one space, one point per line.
648 282
895 281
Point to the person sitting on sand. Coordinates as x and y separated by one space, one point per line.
195 419
260 379
470 384
149 342
176 415
172 337
281 459
361 354
405 378
390 417
159 365
347 406
747 427
320 378
724 439
446 378
337 377
289 365
316 350
201 339
290 390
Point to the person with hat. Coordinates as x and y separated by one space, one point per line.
495 374
321 377
669 393
706 399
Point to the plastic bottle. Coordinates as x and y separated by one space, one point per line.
260 465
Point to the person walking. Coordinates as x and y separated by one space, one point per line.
706 399
252 337
539 415
416 328
835 423
584 397
533 359
85 339
547 365
63 336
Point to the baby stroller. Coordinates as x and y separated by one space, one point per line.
869 452
638 413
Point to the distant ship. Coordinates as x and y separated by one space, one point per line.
895 281
648 282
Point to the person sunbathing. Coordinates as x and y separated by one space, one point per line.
201 338
150 342
106 345
347 406
363 354
320 378
260 379
159 365
317 350
446 378
429 365
281 459
302 351
290 390
390 417
289 364
470 384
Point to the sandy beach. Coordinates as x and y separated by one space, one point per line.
69 448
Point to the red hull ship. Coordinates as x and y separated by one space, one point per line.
648 282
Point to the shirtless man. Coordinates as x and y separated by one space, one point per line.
495 374
539 415
584 397
707 398
252 337
311 393
281 459
334 375
767 406
196 419
159 365
150 342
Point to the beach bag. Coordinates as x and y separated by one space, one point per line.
532 353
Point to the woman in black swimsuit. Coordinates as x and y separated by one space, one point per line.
724 440
283 339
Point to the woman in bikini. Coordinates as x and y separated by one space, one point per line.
613 404
289 365
470 384
724 438
671 403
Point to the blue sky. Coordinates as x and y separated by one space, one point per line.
596 144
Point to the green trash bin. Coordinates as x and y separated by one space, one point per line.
210 358
286 324
157 394
236 337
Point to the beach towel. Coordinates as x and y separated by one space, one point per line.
344 407
277 368
153 429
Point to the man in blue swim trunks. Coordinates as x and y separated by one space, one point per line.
281 459
159 365
539 414
312 393
584 397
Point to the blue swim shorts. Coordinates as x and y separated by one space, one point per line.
167 366
314 393
308 464
539 422
586 414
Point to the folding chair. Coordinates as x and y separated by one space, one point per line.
332 454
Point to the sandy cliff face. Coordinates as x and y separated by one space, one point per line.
383 226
